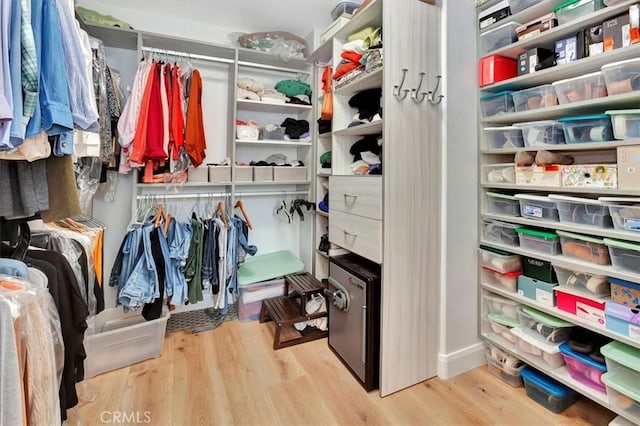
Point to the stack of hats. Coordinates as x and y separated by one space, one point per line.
367 103
366 156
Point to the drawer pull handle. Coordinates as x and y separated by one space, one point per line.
350 196
349 233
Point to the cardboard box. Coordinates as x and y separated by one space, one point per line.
494 68
535 59
602 176
493 14
571 48
629 167
536 26
547 176
634 23
615 32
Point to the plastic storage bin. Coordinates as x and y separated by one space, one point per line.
622 77
589 284
623 360
574 9
623 397
501 308
519 5
501 232
120 340
345 7
625 218
540 291
626 123
496 104
274 132
546 328
499 260
537 207
538 269
503 137
499 173
263 173
552 395
547 354
587 128
534 98
498 327
251 297
582 211
583 369
503 204
540 241
507 281
589 249
499 37
590 308
292 174
625 292
624 255
536 133
623 319
504 366
582 88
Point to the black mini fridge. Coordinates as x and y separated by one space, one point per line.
354 316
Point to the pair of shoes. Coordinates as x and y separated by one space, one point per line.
541 158
324 204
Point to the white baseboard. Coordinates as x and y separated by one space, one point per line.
461 361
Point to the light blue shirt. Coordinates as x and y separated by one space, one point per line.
6 94
35 123
15 68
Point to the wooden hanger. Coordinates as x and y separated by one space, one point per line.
159 216
220 209
240 205
167 222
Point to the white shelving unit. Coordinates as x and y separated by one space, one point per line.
593 151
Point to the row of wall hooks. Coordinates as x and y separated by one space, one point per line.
416 95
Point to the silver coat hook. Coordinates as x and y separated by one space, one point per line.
416 92
397 89
432 94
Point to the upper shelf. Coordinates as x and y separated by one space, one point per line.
261 106
273 143
361 130
548 189
623 100
367 80
588 146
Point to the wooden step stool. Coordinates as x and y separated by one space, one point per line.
287 310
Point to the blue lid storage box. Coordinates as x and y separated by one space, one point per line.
622 319
497 103
587 128
583 369
539 291
544 390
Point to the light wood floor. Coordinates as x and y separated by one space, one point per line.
231 376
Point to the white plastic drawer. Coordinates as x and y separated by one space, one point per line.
356 195
358 234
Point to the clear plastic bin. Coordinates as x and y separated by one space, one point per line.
499 37
501 308
583 369
552 395
274 133
623 360
504 366
534 98
251 297
496 104
582 247
499 260
590 284
345 7
501 232
507 281
547 354
575 9
503 204
588 86
540 241
622 77
624 398
626 123
500 329
582 211
504 137
587 128
546 328
537 207
537 133
499 173
625 218
519 5
624 255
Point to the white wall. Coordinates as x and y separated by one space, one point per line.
460 349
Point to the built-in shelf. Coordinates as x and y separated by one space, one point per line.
122 38
364 81
180 185
323 254
552 190
269 142
262 106
526 15
321 213
624 100
361 130
324 135
591 146
299 182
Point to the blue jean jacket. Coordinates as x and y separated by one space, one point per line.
179 241
142 285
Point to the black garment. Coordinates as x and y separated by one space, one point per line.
153 310
73 313
295 128
367 102
367 143
324 126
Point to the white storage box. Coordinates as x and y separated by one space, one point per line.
536 133
503 204
537 207
335 26
501 308
499 173
534 98
626 123
120 340
499 260
263 173
289 174
588 86
547 354
251 297
247 133
503 137
622 77
198 174
219 174
499 37
582 211
625 218
501 232
243 173
589 284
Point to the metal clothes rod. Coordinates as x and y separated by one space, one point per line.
188 55
217 194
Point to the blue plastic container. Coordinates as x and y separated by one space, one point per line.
549 393
587 128
583 369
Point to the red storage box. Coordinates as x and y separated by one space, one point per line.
578 304
494 68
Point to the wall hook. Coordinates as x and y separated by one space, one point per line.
416 92
432 94
397 89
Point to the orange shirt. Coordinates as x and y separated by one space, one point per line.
139 144
195 143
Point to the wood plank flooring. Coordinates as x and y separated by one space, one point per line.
231 376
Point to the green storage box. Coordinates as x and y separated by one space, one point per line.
538 269
540 291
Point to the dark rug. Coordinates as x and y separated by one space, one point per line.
200 320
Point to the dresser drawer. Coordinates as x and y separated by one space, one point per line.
361 195
358 234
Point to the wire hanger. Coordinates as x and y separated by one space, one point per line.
240 205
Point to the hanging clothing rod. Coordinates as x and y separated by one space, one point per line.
188 55
218 194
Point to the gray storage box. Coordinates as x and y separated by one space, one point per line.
243 173
289 174
219 174
198 175
262 173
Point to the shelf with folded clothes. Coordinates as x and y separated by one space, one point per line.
271 106
269 183
372 128
365 80
272 142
